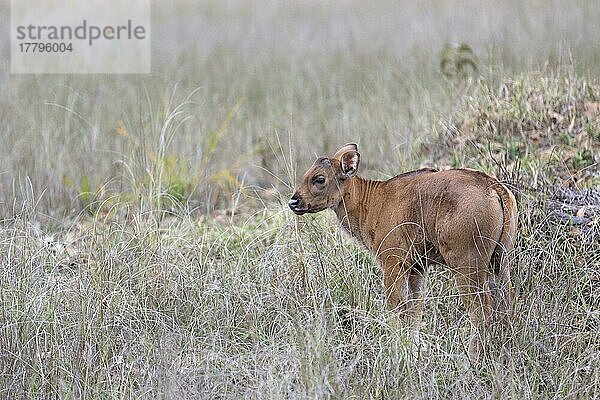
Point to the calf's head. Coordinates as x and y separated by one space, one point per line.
324 183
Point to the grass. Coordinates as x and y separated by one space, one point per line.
263 308
145 244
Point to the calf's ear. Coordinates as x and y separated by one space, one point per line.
343 149
349 163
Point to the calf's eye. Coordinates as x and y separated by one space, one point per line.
319 180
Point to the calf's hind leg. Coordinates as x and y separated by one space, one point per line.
478 301
468 252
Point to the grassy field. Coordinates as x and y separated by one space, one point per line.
147 250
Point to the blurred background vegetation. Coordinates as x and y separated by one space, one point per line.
244 92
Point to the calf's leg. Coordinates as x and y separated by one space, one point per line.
404 294
478 302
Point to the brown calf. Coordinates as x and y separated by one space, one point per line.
462 218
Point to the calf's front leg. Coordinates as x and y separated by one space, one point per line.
403 285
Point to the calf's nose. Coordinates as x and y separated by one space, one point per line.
293 203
